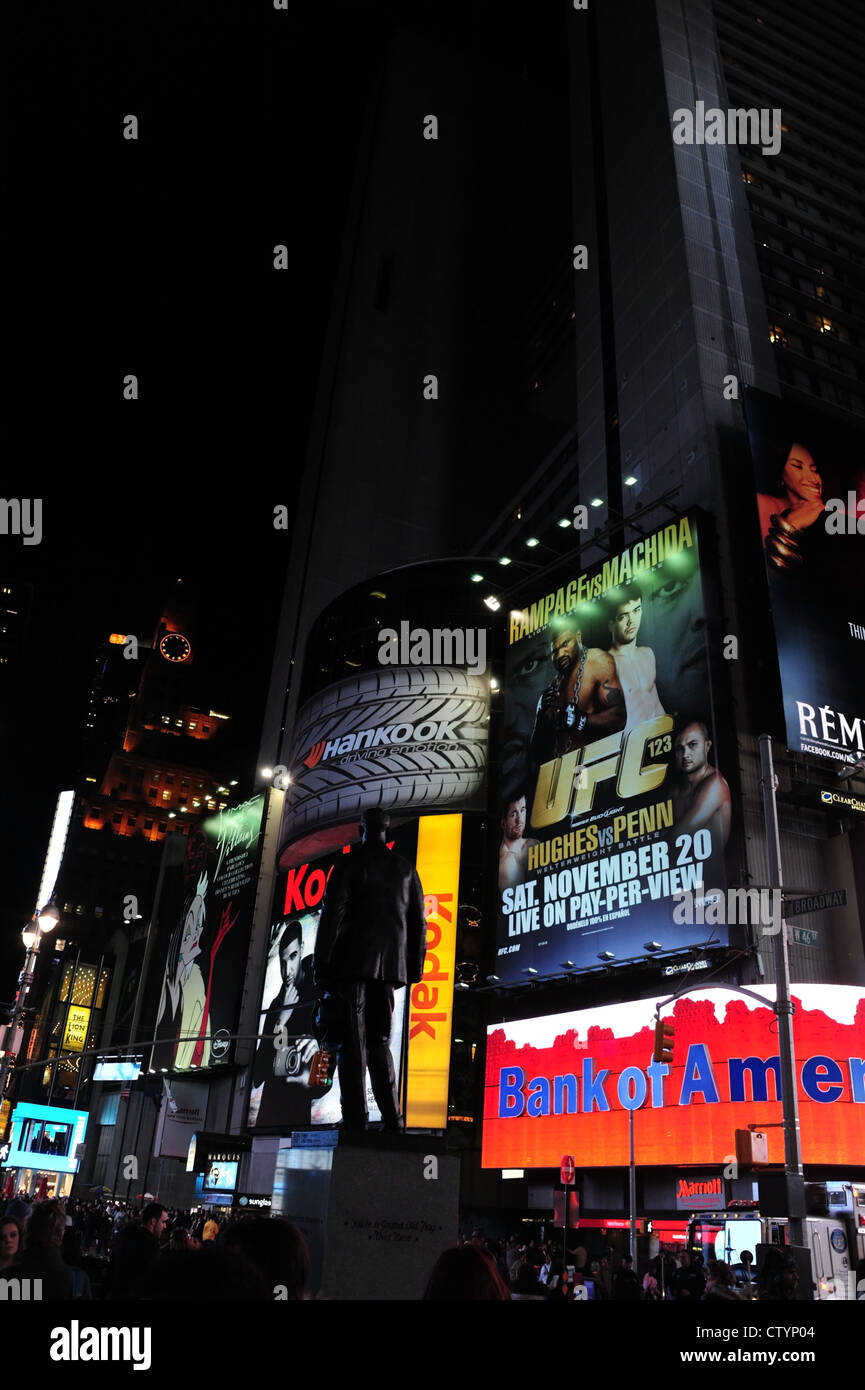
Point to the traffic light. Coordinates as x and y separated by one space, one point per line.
663 1051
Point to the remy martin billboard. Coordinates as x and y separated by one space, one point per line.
613 803
204 960
810 481
565 1083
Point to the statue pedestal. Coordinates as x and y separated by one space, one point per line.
376 1210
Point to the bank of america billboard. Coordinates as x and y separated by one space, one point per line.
613 802
566 1083
403 738
810 483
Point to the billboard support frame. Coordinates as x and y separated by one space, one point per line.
783 1003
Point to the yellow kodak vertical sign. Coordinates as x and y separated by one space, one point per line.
432 998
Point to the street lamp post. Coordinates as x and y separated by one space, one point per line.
41 924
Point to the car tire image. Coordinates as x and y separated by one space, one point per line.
429 774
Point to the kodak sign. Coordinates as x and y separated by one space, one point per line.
432 998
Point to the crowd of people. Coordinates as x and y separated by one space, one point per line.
99 1250
488 1269
96 1250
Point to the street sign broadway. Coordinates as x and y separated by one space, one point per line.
818 903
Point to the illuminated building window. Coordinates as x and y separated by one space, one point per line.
825 325
166 796
777 335
196 802
156 776
166 719
83 984
192 726
100 993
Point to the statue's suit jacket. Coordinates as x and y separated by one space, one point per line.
372 923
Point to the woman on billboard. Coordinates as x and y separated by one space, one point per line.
183 994
785 519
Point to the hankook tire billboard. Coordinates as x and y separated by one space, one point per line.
402 738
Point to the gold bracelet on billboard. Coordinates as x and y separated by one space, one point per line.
782 544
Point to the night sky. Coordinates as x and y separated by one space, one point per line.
154 257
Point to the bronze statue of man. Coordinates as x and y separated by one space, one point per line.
371 939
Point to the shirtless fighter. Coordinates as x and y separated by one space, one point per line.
635 665
583 703
701 797
513 854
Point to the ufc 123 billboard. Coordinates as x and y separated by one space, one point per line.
613 802
810 499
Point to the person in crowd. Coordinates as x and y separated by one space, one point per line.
71 1247
745 1274
512 1254
41 1258
524 1284
277 1250
154 1219
20 1209
209 1274
605 1279
465 1274
10 1241
135 1257
626 1285
722 1288
211 1229
651 1286
778 1279
689 1282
